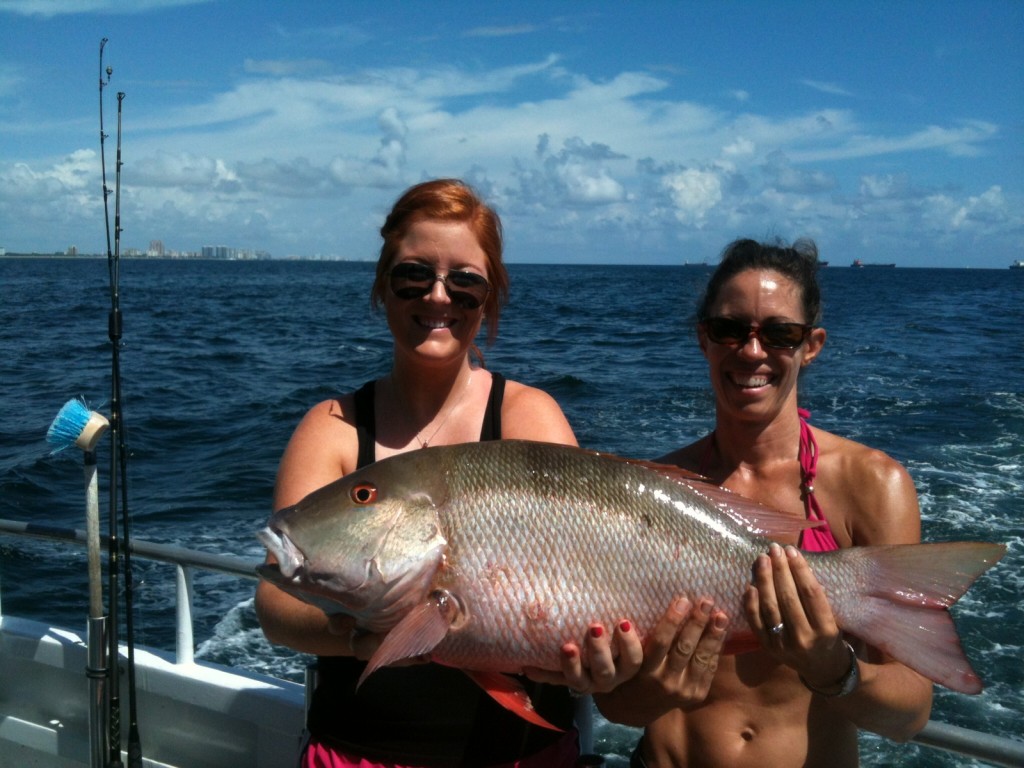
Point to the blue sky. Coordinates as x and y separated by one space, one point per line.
642 132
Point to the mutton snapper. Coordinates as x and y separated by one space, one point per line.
490 556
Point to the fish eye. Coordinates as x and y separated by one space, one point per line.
364 493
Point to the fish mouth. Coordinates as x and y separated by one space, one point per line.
357 591
290 560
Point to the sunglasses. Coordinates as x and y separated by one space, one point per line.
410 280
725 330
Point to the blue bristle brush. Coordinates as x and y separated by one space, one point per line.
75 424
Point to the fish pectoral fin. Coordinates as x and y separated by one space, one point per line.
511 694
415 635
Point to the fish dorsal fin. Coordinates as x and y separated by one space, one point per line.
755 517
511 694
417 634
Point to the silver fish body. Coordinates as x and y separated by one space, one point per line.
490 556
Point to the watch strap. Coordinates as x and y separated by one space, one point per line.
847 683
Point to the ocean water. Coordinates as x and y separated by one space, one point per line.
221 359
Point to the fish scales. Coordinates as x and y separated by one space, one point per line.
490 556
559 542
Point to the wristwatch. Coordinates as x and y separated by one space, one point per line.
848 682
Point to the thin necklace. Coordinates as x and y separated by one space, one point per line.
425 443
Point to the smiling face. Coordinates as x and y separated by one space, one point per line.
433 328
751 381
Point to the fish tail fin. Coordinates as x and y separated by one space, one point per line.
902 608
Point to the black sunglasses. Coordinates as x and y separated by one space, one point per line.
410 280
725 330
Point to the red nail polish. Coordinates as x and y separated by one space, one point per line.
596 632
625 626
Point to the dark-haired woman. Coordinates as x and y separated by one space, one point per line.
440 276
800 699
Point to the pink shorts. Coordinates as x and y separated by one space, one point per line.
562 754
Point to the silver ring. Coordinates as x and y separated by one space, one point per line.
777 629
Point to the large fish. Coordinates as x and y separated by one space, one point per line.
490 556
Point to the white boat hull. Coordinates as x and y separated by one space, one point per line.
192 715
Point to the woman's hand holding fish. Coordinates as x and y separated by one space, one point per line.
361 644
680 661
605 669
786 594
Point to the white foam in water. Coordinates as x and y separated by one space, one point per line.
237 640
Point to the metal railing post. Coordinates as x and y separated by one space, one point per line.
184 650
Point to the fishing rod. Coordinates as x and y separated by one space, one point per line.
119 549
113 703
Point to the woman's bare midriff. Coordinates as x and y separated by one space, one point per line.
757 714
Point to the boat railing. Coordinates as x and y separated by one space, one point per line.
998 750
185 562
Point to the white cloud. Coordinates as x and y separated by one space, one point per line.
77 170
287 67
741 147
49 8
987 208
882 187
584 186
829 88
963 141
694 193
508 31
781 174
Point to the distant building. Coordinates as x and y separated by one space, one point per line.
216 252
231 254
71 251
156 249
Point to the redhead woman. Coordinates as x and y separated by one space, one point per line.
440 277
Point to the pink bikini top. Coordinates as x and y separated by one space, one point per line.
811 539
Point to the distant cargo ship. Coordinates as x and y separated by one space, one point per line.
859 263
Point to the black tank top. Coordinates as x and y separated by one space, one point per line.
426 714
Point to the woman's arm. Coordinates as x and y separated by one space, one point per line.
321 450
890 699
